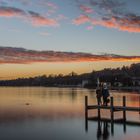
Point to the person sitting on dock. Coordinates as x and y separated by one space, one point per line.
105 93
99 95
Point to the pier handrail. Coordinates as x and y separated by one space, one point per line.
111 107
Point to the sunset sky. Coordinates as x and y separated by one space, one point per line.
59 36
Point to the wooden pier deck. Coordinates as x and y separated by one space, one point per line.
112 120
115 108
112 109
116 121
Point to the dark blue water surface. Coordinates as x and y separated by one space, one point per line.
38 113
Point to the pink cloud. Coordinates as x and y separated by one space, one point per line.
35 18
86 9
108 14
81 20
122 24
43 21
22 56
118 23
39 20
130 29
11 12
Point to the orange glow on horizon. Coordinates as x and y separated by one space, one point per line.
13 71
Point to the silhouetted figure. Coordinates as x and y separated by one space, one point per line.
105 131
99 95
99 131
105 93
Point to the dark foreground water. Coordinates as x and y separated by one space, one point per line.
58 114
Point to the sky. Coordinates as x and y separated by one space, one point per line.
59 36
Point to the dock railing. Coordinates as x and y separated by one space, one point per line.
113 108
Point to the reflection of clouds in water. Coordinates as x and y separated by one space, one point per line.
49 103
29 113
44 103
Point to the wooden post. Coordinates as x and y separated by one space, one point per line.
139 104
112 108
99 112
112 128
86 124
124 110
86 109
124 127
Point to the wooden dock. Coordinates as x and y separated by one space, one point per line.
112 109
111 119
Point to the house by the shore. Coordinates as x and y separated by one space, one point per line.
136 81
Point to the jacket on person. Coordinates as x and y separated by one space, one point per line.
105 92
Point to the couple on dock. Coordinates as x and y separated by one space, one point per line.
102 92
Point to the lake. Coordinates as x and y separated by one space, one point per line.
40 113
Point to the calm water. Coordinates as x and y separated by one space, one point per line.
58 114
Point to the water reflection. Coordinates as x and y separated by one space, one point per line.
104 134
106 128
39 113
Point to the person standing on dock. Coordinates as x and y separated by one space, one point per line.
99 95
105 93
99 92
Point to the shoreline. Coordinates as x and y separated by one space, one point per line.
126 88
74 86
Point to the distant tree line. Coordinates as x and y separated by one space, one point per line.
123 75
